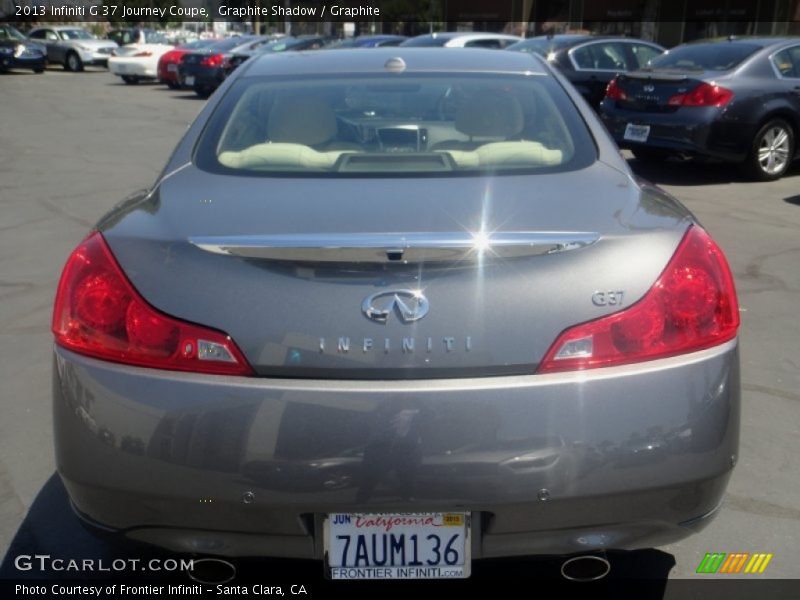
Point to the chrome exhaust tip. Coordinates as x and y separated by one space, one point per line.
585 568
211 571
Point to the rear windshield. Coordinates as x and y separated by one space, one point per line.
285 44
393 124
426 41
721 56
229 44
541 46
196 45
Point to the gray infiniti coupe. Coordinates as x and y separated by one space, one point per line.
397 311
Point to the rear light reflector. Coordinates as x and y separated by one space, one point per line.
215 60
614 92
99 313
690 307
704 94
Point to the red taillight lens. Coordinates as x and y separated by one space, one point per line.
169 57
691 306
704 94
214 60
99 313
614 92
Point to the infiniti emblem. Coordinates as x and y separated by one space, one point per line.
410 305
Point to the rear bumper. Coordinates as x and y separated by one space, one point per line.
204 78
621 458
131 68
703 132
166 75
94 57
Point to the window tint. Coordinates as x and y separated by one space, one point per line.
229 44
607 56
75 34
388 43
643 54
122 37
504 43
426 41
9 33
721 56
542 46
379 125
788 62
43 34
490 43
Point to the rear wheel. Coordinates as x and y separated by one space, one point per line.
771 152
73 62
130 80
203 91
173 85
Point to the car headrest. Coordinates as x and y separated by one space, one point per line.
301 120
490 113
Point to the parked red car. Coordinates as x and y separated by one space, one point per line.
168 63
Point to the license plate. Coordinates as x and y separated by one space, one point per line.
397 545
636 133
189 80
172 68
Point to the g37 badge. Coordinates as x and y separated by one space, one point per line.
610 298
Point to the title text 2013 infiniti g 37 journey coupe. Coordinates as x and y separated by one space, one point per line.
399 317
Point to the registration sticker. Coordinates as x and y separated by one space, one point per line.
636 133
397 545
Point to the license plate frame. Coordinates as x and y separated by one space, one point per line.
416 554
635 132
188 80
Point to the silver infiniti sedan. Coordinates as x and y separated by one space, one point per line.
397 310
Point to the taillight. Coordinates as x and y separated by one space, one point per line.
214 60
99 313
704 94
614 92
691 306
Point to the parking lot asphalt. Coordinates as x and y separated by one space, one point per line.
74 144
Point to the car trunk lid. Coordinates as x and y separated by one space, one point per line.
376 278
650 91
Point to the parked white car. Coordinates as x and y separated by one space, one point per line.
135 62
